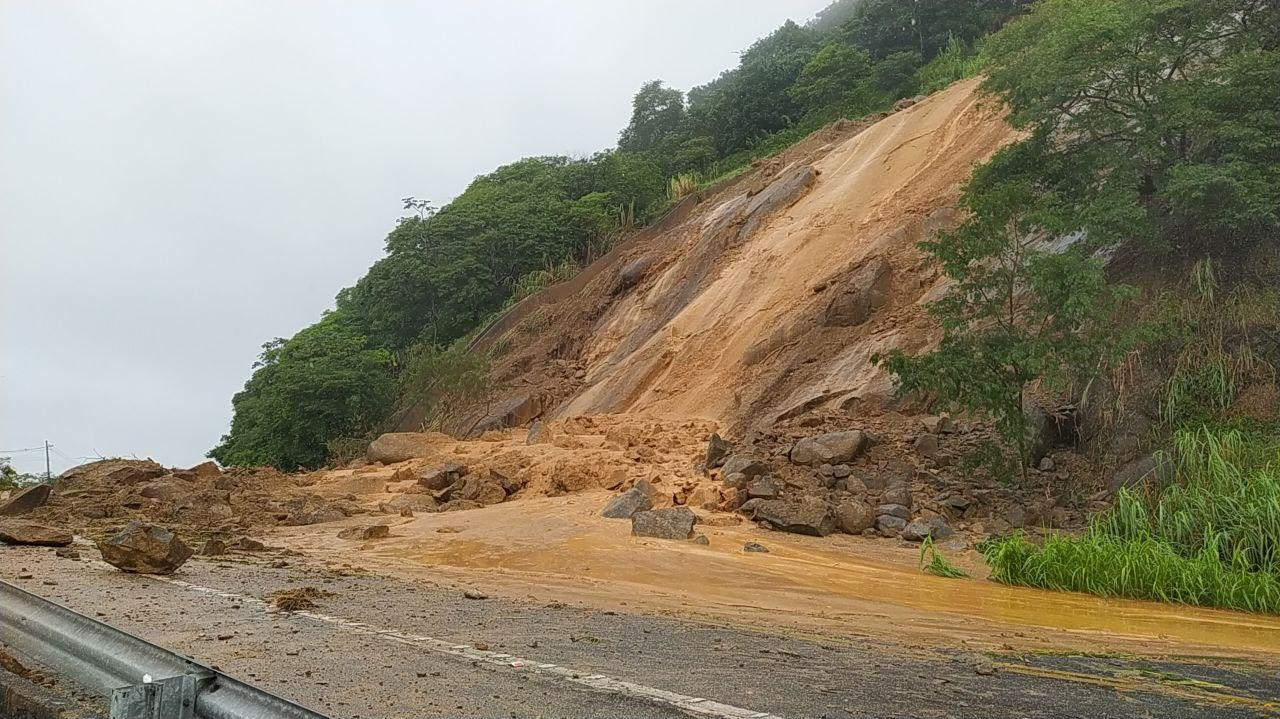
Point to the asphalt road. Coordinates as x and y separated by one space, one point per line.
389 648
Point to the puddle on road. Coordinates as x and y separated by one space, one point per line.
837 587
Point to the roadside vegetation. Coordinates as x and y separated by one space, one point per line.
1152 134
448 269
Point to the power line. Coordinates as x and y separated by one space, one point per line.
27 449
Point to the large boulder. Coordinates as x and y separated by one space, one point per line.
632 272
805 516
854 517
830 448
15 531
394 447
412 502
865 292
637 499
1153 467
669 523
145 549
26 500
112 472
481 490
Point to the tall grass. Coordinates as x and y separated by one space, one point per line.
932 562
956 62
1211 537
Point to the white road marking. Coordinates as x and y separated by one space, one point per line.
598 682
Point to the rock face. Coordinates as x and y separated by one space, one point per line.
806 516
13 531
669 523
865 292
832 448
637 499
717 450
853 517
26 500
145 549
395 447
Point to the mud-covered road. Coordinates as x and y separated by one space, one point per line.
395 647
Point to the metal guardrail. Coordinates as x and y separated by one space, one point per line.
140 678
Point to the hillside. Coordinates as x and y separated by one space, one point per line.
769 296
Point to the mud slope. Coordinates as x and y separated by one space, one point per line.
770 296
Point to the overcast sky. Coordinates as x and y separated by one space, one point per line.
182 181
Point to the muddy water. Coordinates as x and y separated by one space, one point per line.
837 587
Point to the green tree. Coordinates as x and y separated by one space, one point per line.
11 478
657 113
835 72
324 383
1166 108
1018 311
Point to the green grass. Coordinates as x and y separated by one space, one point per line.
932 562
1211 538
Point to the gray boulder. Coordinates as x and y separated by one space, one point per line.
26 500
935 527
637 499
1148 468
632 272
809 516
669 523
893 510
762 488
889 525
744 464
14 531
145 549
441 476
831 448
717 451
853 516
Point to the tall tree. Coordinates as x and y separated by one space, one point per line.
657 113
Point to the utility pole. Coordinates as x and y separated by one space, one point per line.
48 476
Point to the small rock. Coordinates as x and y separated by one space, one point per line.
66 553
145 549
700 539
934 424
406 512
669 523
441 476
984 668
213 548
482 646
755 547
827 470
840 471
248 544
475 594
897 494
737 480
926 445
1046 464
372 531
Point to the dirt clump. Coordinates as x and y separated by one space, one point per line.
297 600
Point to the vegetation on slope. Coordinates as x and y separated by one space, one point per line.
448 269
1153 128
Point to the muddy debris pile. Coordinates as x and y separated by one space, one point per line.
100 497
